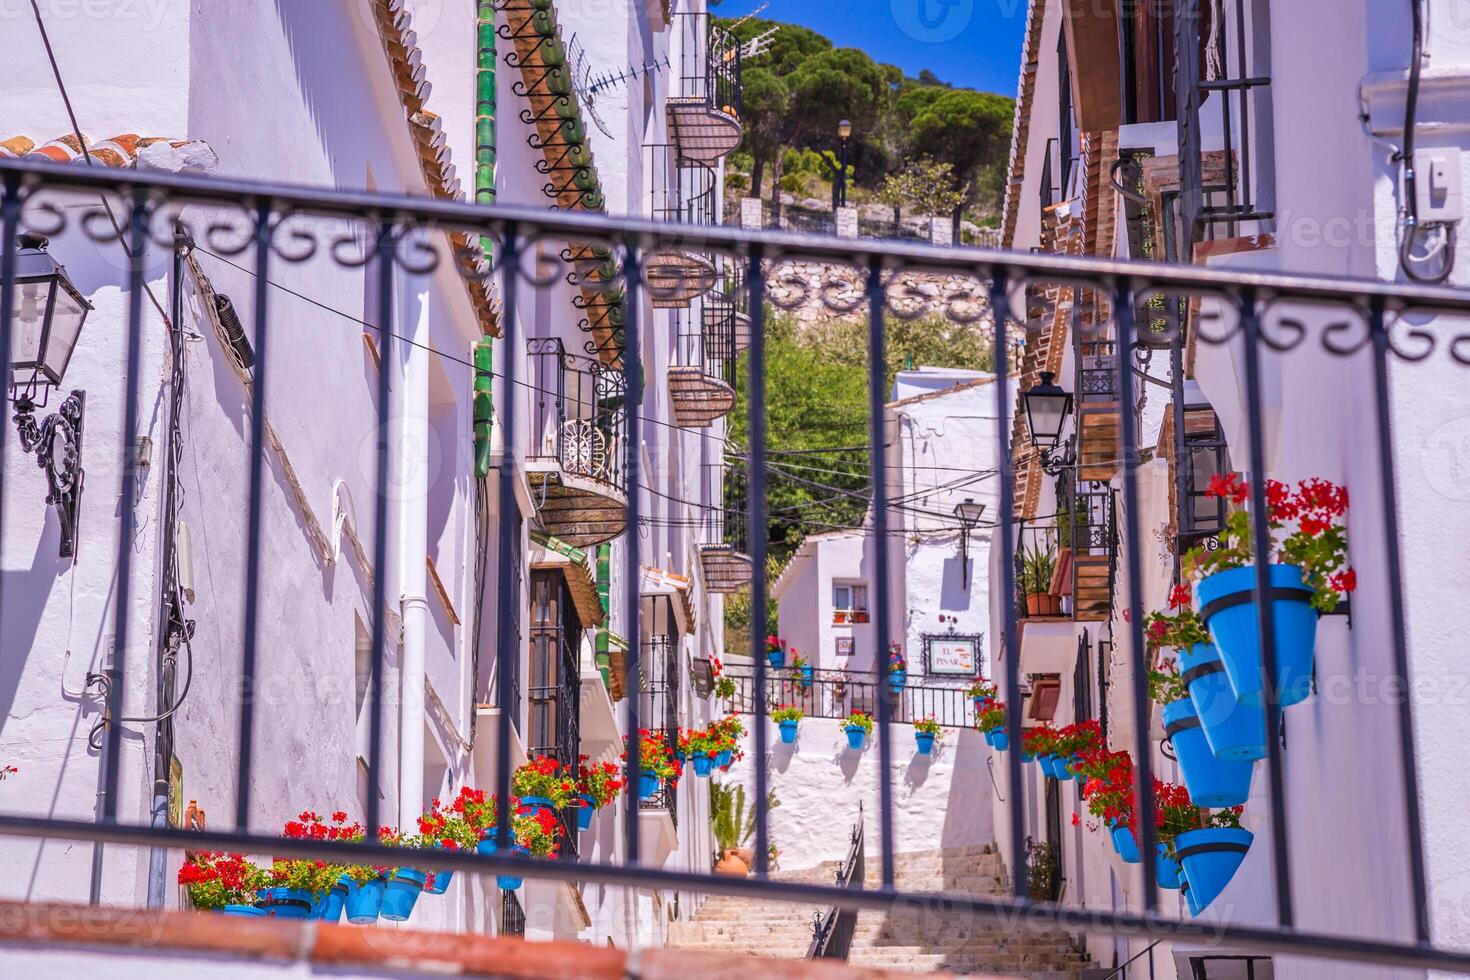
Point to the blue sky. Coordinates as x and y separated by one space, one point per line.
976 43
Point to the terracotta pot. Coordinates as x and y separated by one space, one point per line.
730 864
1053 604
746 855
1033 604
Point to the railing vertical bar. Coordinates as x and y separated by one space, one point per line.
756 531
383 259
1143 793
10 207
138 215
1005 526
632 608
507 597
882 614
1394 571
254 509
1261 539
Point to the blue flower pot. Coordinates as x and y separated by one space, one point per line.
925 741
1125 844
648 783
855 736
585 812
897 679
438 882
1166 869
329 909
364 901
1228 609
776 658
703 764
808 675
535 804
788 731
1210 857
1000 739
402 891
1188 893
1027 756
287 903
506 883
249 910
725 757
1235 729
1211 781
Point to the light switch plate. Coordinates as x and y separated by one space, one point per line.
1440 185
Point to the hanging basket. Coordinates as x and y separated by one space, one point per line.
1228 607
1211 781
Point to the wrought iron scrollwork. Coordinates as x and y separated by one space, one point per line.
57 442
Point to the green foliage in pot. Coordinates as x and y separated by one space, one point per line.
729 822
1037 567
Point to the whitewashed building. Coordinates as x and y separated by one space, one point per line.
397 96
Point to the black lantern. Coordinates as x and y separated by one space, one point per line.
47 313
1047 408
844 132
969 514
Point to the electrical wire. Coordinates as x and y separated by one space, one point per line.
1411 229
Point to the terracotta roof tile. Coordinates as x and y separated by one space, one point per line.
122 150
1021 128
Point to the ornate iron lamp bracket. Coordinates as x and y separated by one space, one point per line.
57 442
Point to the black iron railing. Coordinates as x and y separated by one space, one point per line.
1372 331
578 416
660 704
555 691
838 693
832 930
709 63
512 915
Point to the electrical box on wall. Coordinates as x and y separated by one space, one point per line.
1439 185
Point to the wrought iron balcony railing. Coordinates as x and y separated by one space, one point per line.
1356 334
704 109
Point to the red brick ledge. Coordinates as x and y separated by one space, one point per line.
440 954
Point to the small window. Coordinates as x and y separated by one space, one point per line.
1046 692
849 602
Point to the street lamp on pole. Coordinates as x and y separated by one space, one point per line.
844 132
969 514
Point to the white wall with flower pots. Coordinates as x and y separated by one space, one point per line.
939 801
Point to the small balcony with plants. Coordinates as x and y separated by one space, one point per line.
727 565
683 192
702 379
575 462
704 100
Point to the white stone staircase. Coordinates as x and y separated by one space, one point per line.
908 936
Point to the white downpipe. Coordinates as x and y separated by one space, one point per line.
413 449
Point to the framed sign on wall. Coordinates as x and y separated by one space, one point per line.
845 646
954 654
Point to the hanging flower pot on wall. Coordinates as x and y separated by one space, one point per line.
1228 607
364 901
1211 781
788 732
1166 870
1210 858
287 903
401 893
1125 843
1234 729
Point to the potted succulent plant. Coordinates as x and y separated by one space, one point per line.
859 725
1038 565
731 827
787 717
926 733
1307 575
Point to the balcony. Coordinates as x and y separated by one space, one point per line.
726 305
727 566
701 383
575 461
679 192
659 700
1066 563
704 110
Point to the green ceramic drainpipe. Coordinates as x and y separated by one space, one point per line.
484 194
604 587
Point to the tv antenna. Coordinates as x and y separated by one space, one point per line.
581 71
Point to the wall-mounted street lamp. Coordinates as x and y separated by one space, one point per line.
1047 408
969 514
47 313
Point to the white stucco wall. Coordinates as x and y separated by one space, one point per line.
939 801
